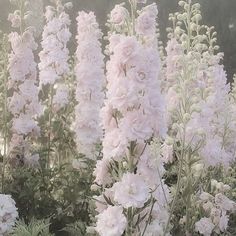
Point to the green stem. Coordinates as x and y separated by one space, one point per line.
178 182
21 8
149 217
133 4
189 196
189 24
130 222
5 115
50 124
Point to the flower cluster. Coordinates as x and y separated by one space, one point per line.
217 208
54 55
23 84
134 112
90 80
8 213
146 24
200 125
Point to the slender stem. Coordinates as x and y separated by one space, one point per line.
50 124
21 8
5 115
133 4
149 217
189 196
189 24
130 222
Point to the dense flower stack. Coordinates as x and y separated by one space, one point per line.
90 80
24 104
130 171
8 213
199 125
55 54
54 69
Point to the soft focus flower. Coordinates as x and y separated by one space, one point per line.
54 55
101 172
32 160
24 124
111 222
131 191
119 15
204 226
90 79
8 213
223 202
24 104
146 21
61 98
154 229
15 20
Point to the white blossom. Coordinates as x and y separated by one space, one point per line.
8 213
90 81
131 191
54 55
111 222
204 226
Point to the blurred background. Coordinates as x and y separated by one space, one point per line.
218 13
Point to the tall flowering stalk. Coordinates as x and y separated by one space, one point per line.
199 128
54 64
130 174
23 85
90 80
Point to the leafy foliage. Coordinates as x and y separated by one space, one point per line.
34 228
76 229
59 193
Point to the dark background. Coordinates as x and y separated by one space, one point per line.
218 13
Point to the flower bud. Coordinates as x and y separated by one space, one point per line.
186 117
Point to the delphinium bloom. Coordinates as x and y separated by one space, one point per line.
90 80
54 66
54 75
198 102
54 55
133 114
23 84
217 208
8 213
111 222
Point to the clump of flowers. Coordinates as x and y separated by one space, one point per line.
54 55
23 85
217 209
200 130
133 114
90 79
54 71
111 222
8 213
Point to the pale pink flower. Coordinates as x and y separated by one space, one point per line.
101 172
24 124
119 15
15 20
111 222
8 213
131 191
89 80
204 226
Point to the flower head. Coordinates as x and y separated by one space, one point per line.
111 222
